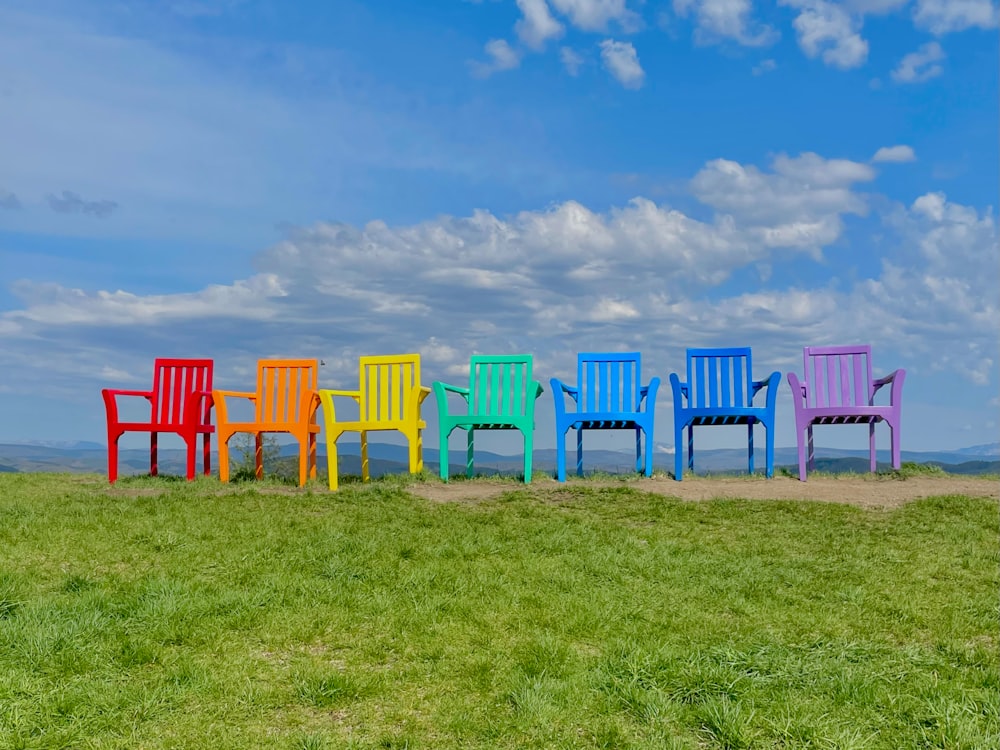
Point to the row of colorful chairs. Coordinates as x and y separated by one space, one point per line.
836 388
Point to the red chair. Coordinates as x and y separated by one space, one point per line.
180 402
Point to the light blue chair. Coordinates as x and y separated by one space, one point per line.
609 396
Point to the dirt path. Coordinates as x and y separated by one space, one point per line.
866 492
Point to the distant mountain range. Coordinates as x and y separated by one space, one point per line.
89 457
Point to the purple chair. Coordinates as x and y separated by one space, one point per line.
838 389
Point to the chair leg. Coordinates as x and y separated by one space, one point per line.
638 450
678 451
894 441
871 447
528 444
154 468
470 467
258 456
769 450
206 449
416 441
750 447
560 454
312 455
224 456
331 461
800 436
443 452
811 446
691 447
303 460
113 457
649 450
579 451
191 453
364 456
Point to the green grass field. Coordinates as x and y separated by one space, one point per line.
161 614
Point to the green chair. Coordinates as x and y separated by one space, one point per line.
501 396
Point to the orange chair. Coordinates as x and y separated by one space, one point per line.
285 401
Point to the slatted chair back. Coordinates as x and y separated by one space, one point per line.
838 376
174 382
498 386
609 382
388 386
281 385
719 378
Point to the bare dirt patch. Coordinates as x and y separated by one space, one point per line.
875 492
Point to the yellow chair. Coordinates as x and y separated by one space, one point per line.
388 397
285 401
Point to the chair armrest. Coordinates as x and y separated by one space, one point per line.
680 390
798 390
538 388
896 380
111 403
219 400
772 383
648 393
196 413
356 395
441 391
422 392
559 391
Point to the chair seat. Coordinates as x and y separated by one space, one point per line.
583 421
482 423
715 416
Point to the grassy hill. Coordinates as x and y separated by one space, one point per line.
165 614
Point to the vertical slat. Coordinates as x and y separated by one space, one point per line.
615 395
830 384
282 393
383 392
627 388
713 382
590 385
860 399
166 388
739 385
517 395
177 395
726 372
494 388
699 374
818 390
372 391
845 379
602 385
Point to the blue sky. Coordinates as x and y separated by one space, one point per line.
253 178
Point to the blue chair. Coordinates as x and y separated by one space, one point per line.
719 391
608 396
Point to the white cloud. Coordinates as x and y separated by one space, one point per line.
501 57
621 60
764 66
726 19
570 60
829 31
920 66
595 15
536 25
944 16
894 154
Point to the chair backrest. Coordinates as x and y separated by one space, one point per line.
837 375
280 386
498 385
174 380
387 384
609 382
719 378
